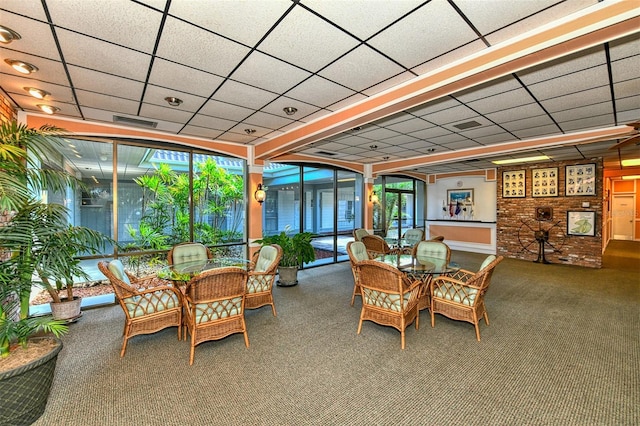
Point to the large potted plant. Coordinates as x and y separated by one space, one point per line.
296 250
31 243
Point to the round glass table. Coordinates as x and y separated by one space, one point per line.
183 272
425 271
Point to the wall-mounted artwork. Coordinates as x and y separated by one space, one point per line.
580 180
514 184
460 203
544 182
581 223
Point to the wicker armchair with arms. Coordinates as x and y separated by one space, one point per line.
357 252
388 296
411 238
188 252
214 306
262 274
460 296
377 246
358 233
150 304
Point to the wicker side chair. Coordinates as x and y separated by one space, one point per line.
376 246
214 306
411 238
357 252
460 296
435 252
358 233
388 297
262 274
150 304
188 252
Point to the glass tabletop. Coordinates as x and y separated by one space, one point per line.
430 266
187 270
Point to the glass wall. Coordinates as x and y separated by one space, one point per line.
401 205
323 201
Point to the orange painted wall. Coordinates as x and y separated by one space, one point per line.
465 234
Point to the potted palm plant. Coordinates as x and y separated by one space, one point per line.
296 250
32 242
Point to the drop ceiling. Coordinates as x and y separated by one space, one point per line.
348 67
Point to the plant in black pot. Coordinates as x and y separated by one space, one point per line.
35 240
296 250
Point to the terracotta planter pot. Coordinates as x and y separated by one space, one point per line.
67 309
287 276
24 391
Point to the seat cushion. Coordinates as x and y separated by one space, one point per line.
359 251
206 312
456 293
150 303
487 261
384 300
259 283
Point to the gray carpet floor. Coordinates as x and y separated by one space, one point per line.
562 348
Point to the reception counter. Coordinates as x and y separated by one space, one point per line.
464 235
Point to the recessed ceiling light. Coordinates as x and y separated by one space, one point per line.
290 110
173 101
37 93
431 149
522 160
21 67
249 131
7 35
48 108
373 147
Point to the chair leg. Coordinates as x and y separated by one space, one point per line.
273 309
360 325
124 346
477 331
486 317
433 318
402 338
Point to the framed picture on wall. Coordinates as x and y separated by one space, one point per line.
514 184
581 223
544 182
580 180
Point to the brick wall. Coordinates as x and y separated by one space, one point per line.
516 220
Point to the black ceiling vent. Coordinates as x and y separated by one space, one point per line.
135 122
467 125
330 154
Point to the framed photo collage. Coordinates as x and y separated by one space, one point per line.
580 180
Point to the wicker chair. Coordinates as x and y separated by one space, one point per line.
411 238
357 252
262 274
358 233
188 252
460 296
388 296
150 304
377 246
430 251
214 306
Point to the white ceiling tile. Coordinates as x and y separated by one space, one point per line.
36 37
430 31
212 122
107 102
301 39
587 123
89 80
496 138
564 66
408 125
361 68
478 132
573 83
121 22
31 8
157 112
94 54
630 88
225 110
182 78
490 16
202 132
624 47
569 101
243 95
377 133
346 102
276 108
431 132
504 101
558 11
455 115
270 121
362 18
434 106
526 123
449 57
399 140
263 71
584 111
48 70
245 21
626 69
504 84
534 132
190 103
319 91
389 83
516 113
197 48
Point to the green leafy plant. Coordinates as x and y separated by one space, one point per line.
296 248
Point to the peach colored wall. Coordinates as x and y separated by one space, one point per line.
461 233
